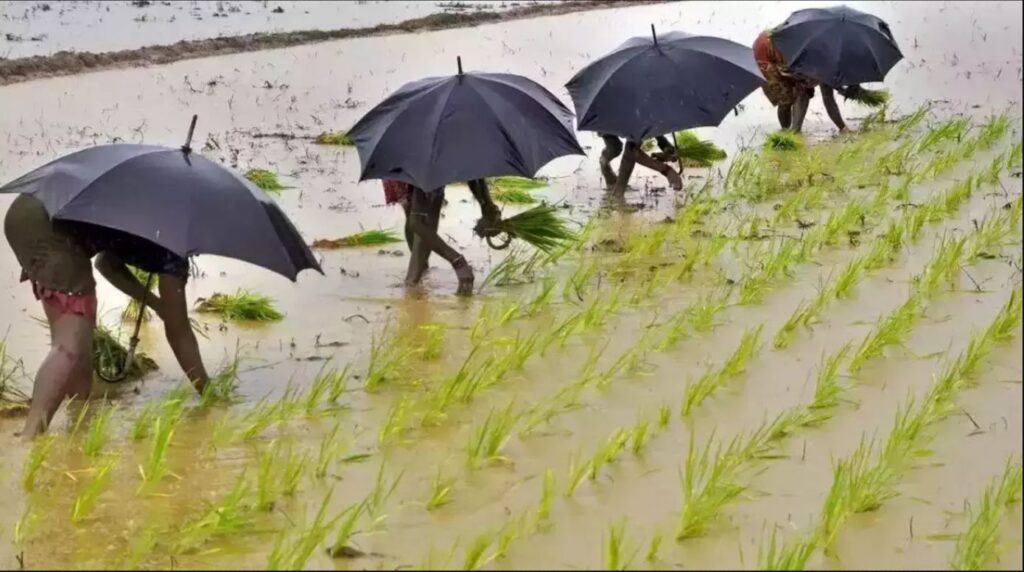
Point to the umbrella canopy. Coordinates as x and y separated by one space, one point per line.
837 46
442 130
660 84
173 198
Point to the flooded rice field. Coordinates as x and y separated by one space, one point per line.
807 358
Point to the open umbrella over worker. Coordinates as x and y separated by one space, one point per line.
463 127
145 205
655 85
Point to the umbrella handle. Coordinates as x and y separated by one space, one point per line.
133 343
187 147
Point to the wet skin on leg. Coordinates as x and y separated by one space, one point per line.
424 218
800 111
612 149
828 97
625 168
65 372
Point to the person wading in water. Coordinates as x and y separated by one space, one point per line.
55 258
422 218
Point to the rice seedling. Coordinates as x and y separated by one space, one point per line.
433 341
951 130
485 443
382 491
395 422
265 180
141 546
886 247
618 551
339 138
12 398
783 141
869 97
389 358
792 554
513 196
474 557
522 348
848 279
608 451
144 421
547 494
993 130
155 466
713 380
769 266
99 431
294 554
348 520
978 544
578 470
639 436
910 121
328 452
707 486
85 502
828 391
890 330
787 331
654 548
993 233
374 237
943 267
441 488
540 226
243 305
37 455
109 354
230 516
222 387
1014 156
695 152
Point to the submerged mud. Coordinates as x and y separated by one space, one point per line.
70 62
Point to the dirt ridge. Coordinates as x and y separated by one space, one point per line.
65 63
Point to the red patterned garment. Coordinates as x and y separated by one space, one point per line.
396 191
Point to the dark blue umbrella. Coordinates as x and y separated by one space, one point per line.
837 46
442 130
654 85
173 198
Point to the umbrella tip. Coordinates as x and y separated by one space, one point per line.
458 61
188 140
654 35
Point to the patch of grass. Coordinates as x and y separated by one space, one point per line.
389 358
265 180
243 305
695 152
231 515
108 354
293 554
783 141
978 545
363 238
339 138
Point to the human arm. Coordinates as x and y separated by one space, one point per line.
178 330
828 97
117 273
488 210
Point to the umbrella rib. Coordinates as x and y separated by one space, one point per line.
437 122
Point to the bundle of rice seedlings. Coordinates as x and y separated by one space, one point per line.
364 238
868 97
783 140
132 310
334 138
514 189
242 305
540 226
266 180
696 152
108 354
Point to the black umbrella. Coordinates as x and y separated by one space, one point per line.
660 84
837 46
172 197
442 130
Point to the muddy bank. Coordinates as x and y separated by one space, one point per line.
70 62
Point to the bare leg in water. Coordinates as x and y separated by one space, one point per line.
800 111
612 149
424 218
785 113
635 155
65 372
828 97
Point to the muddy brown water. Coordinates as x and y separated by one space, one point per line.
966 56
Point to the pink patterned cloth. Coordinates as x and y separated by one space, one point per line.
81 304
